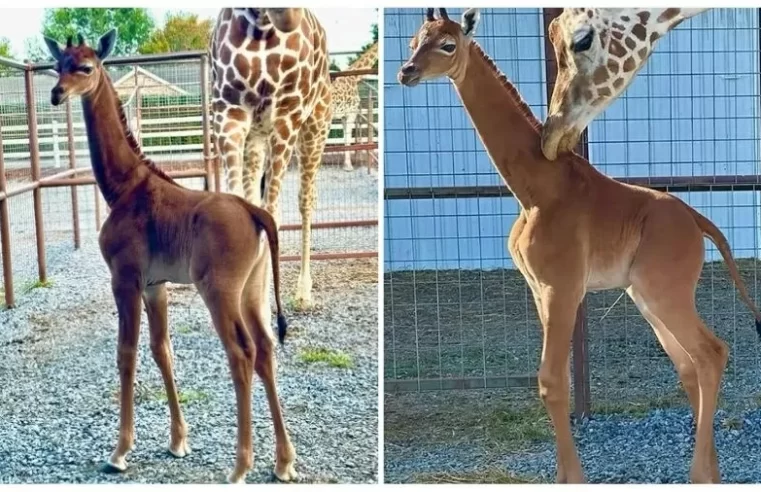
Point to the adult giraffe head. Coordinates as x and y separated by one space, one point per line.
79 66
598 54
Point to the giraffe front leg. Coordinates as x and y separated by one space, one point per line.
348 122
311 147
253 169
230 138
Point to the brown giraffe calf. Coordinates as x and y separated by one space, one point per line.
578 231
158 232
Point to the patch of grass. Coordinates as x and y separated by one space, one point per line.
516 427
183 329
27 287
641 408
146 394
490 475
732 423
294 306
333 358
189 396
493 423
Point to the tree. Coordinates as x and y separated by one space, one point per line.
374 34
181 32
5 52
35 50
134 26
334 66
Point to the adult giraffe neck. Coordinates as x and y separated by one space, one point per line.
117 161
508 130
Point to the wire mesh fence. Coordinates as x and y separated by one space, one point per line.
457 312
163 105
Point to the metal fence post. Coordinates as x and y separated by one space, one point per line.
34 154
205 120
368 152
581 383
5 232
73 165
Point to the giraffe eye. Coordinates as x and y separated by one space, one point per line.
582 39
448 48
85 69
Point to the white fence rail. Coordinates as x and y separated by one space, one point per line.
150 128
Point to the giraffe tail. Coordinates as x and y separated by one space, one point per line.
265 220
715 235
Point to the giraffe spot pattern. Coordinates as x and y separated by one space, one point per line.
668 14
639 31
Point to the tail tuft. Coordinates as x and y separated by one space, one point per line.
758 327
282 328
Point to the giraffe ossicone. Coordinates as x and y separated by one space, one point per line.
598 53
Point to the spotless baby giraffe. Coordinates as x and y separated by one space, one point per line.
579 231
158 232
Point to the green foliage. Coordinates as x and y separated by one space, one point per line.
35 50
333 358
5 52
181 32
134 26
334 66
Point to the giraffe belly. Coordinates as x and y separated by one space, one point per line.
161 271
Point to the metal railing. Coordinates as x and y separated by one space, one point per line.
181 161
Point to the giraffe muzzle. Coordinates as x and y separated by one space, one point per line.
558 137
409 75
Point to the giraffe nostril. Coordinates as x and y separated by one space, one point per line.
409 69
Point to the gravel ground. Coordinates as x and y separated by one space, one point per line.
58 383
654 448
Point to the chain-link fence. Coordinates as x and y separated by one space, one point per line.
457 312
48 200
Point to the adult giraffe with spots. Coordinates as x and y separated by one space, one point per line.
578 231
599 52
346 101
271 93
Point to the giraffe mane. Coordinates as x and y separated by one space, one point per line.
516 97
133 143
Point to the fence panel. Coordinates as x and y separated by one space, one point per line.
457 312
162 101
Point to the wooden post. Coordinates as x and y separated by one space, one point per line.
5 233
34 153
205 122
369 139
581 383
73 165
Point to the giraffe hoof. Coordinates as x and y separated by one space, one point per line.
113 466
181 450
287 474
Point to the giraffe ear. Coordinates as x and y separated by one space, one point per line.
470 20
54 48
106 44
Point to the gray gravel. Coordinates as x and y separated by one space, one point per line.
656 448
58 383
